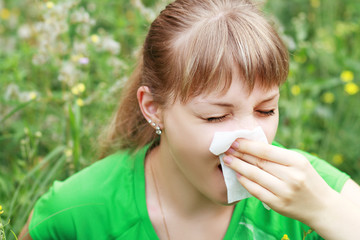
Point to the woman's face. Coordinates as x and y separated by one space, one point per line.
189 129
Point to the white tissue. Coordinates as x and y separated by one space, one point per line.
220 144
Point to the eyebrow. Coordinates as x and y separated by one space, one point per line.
229 105
271 97
222 104
216 103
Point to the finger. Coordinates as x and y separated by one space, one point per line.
257 175
275 169
265 151
257 190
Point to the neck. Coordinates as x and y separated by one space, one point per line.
178 195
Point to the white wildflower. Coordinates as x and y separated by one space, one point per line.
147 12
39 59
61 47
25 31
109 45
81 16
119 84
7 45
69 74
117 64
91 7
27 96
80 48
12 92
83 30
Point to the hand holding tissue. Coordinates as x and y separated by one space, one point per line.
220 144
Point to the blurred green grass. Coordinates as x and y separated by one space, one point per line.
63 63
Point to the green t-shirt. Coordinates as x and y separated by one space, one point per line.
107 201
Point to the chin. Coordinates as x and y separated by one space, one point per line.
231 204
223 201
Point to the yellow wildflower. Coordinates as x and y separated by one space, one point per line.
81 87
68 152
295 90
80 102
95 38
285 237
338 159
33 95
343 29
75 58
315 3
1 210
347 76
50 5
5 14
328 97
77 89
351 88
38 134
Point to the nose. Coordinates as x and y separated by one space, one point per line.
245 122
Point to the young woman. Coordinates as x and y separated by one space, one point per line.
206 66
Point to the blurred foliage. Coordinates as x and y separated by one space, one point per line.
63 63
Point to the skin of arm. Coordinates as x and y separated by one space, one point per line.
351 191
340 218
286 181
24 234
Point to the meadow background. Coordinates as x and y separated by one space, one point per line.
63 64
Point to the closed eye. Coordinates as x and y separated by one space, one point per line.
216 119
267 113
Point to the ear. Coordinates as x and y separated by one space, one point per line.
149 108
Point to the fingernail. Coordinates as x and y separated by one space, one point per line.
230 151
227 160
235 145
238 175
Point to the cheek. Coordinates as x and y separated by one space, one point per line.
186 137
270 128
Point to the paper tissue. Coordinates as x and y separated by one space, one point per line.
220 144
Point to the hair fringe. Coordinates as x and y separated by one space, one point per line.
192 48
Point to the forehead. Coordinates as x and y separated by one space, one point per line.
238 91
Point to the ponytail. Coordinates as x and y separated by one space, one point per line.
128 128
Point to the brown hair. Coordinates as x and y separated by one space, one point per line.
193 47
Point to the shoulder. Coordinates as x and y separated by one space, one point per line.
94 181
89 198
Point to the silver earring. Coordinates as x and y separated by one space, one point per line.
152 123
158 130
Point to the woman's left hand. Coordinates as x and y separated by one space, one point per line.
281 178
